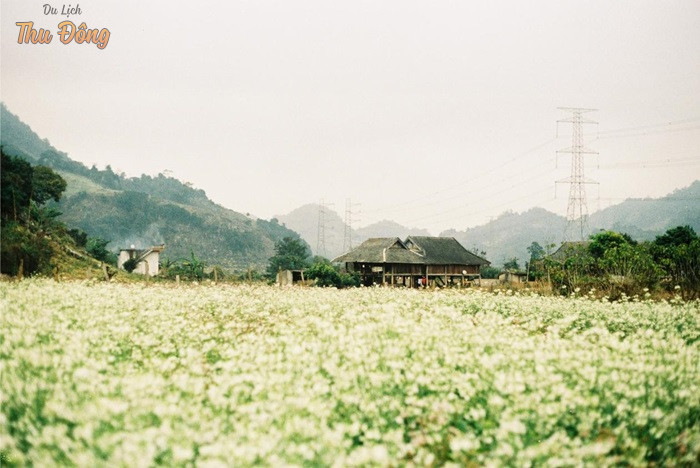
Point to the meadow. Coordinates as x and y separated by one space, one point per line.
103 374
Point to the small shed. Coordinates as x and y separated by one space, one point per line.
509 276
289 277
147 260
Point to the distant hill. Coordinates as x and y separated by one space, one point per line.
509 235
646 218
305 219
147 210
386 228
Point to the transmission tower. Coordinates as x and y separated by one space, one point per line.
349 219
321 237
577 211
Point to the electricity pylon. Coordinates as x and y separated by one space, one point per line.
349 219
577 211
321 236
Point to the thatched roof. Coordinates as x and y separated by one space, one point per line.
443 251
420 250
570 249
381 250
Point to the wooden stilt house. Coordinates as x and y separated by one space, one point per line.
418 261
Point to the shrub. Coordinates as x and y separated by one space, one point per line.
324 274
130 265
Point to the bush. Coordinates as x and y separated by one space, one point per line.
97 248
22 247
324 274
350 280
130 265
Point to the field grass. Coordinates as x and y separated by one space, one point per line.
99 374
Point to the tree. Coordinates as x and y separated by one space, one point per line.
489 272
324 274
46 185
97 248
15 185
533 266
511 265
536 252
606 240
632 263
291 253
678 253
27 227
194 267
130 265
79 236
674 237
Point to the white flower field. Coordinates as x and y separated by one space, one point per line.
100 374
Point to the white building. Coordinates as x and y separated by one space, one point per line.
146 260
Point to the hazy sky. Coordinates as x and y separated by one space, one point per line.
434 114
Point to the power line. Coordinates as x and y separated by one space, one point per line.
411 205
653 164
464 181
648 127
651 132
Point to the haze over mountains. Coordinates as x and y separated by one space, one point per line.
305 220
152 210
509 235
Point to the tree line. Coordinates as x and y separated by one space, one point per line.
616 264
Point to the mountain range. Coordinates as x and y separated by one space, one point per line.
305 220
509 235
147 210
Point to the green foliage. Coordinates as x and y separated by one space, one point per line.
103 203
15 185
194 267
617 264
79 237
677 252
536 252
252 275
630 264
606 240
489 272
511 265
28 227
130 265
324 274
97 248
291 253
320 259
25 250
46 185
575 271
217 273
350 280
677 236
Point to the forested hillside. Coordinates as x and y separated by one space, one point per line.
147 210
